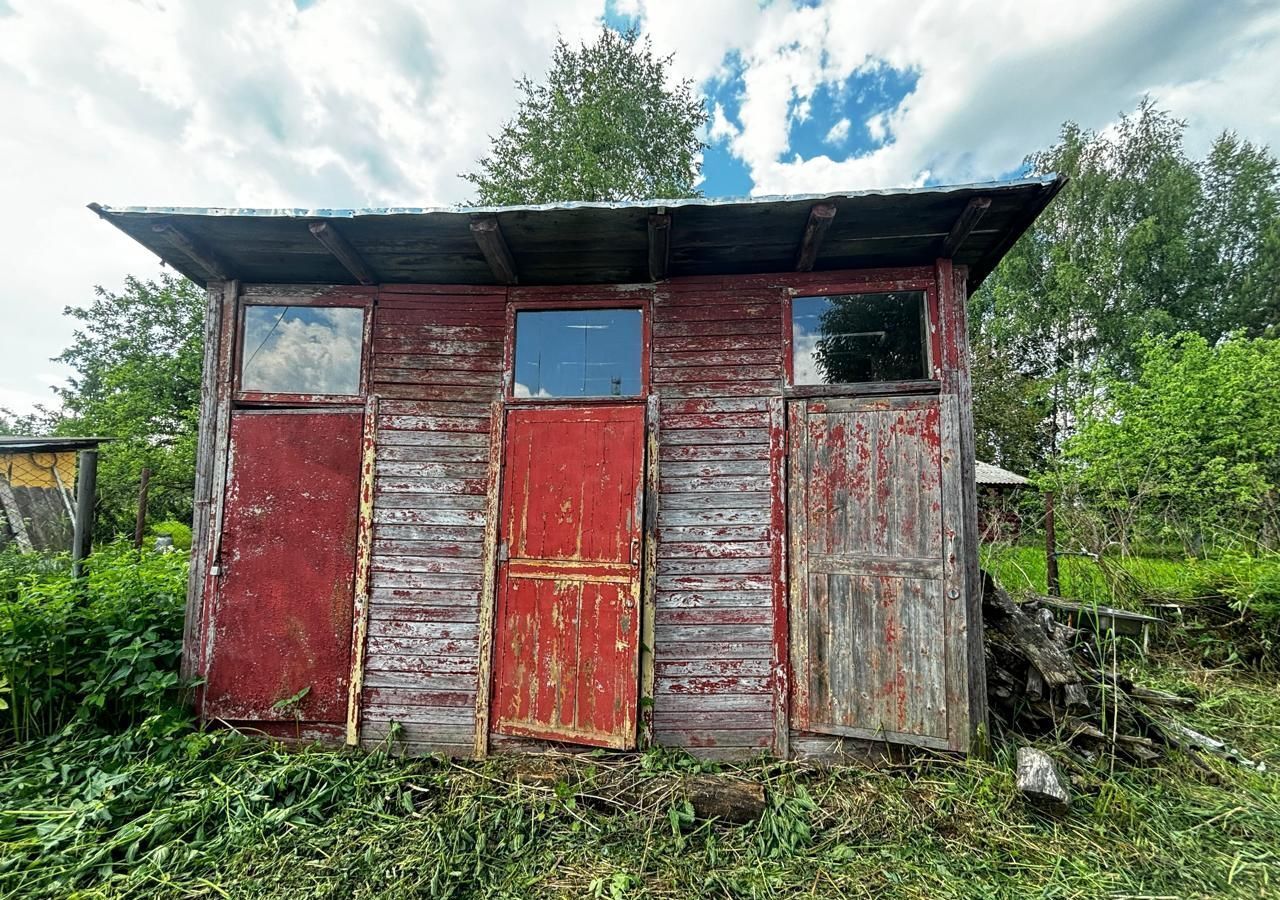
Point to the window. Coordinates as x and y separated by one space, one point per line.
858 337
578 353
302 350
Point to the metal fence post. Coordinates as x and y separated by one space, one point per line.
86 491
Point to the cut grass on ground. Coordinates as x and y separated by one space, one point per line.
208 815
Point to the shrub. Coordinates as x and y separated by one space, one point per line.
180 532
103 651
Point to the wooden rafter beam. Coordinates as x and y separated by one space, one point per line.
194 250
494 247
341 248
968 220
659 244
815 231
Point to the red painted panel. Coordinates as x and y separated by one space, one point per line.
283 604
567 635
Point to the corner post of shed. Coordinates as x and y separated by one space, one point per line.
956 381
215 409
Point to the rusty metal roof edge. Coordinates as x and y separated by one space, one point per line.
12 442
704 202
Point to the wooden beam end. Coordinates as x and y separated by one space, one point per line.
488 235
659 244
821 215
333 240
965 223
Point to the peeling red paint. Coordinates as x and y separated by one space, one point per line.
283 604
566 647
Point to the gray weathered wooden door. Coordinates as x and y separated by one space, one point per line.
876 587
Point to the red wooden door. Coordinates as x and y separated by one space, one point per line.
281 620
877 617
568 611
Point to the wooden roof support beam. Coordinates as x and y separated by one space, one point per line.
973 212
494 247
815 231
659 243
342 250
194 250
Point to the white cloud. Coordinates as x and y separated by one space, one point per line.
721 128
296 350
838 133
241 102
995 79
354 103
522 390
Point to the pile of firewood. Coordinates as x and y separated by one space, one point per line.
1045 681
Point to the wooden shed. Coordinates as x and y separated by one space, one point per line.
38 477
695 473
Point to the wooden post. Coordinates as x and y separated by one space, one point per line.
364 558
489 579
1050 548
86 490
140 524
9 506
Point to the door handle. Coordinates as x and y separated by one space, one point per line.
635 551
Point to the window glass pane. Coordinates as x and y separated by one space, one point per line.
858 337
302 349
578 353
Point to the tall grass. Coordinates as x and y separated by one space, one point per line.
101 651
108 790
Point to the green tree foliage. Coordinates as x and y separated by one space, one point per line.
607 125
1143 240
1191 444
136 359
1010 411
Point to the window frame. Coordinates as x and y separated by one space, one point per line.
931 383
286 398
514 307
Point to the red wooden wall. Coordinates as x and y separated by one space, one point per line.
717 360
437 365
716 370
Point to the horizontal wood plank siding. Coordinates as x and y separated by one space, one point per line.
437 367
716 360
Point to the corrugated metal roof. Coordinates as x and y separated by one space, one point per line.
13 443
586 242
986 473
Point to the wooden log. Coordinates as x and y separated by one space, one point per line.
86 495
726 799
202 256
1040 783
1008 621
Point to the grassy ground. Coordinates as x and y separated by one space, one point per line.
181 813
1131 581
93 806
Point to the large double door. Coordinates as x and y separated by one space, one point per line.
568 586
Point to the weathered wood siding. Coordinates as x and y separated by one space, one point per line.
717 350
437 364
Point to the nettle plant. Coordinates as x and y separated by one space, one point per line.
103 651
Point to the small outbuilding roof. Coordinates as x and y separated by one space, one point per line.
986 473
31 444
594 243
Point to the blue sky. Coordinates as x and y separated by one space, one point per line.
351 103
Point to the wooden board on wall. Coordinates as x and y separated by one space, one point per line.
437 365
